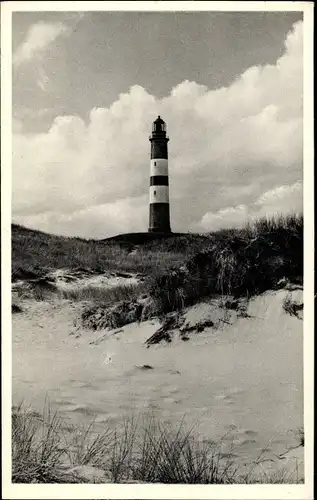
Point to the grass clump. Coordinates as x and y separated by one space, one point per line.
177 456
40 289
301 436
104 295
100 317
241 262
142 449
137 451
174 290
38 448
89 448
291 307
253 259
16 308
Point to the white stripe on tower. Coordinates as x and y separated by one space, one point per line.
159 166
159 194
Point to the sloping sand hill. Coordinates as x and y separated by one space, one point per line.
240 380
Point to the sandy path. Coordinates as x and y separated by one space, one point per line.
245 378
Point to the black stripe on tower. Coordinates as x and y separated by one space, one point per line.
159 218
159 180
159 148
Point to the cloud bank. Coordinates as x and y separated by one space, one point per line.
235 153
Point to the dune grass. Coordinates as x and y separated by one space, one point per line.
38 447
241 262
104 295
89 293
141 449
138 450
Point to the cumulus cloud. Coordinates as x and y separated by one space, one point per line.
228 147
121 216
38 39
225 218
281 200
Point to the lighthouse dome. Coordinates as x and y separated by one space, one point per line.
159 125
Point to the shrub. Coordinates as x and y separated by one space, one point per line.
16 308
174 290
290 306
101 317
253 259
40 289
301 436
241 262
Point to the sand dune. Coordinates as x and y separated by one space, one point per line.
241 379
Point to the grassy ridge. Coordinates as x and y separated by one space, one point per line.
178 270
276 243
34 253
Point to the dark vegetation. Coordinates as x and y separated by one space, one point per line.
16 308
291 307
139 450
115 316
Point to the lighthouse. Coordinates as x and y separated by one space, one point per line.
159 216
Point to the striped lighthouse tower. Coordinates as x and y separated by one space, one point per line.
159 220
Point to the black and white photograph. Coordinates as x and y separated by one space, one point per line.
158 159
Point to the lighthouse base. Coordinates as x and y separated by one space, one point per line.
159 218
159 230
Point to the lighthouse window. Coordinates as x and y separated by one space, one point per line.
155 164
154 193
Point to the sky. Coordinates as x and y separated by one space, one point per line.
86 88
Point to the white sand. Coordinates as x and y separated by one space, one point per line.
244 379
